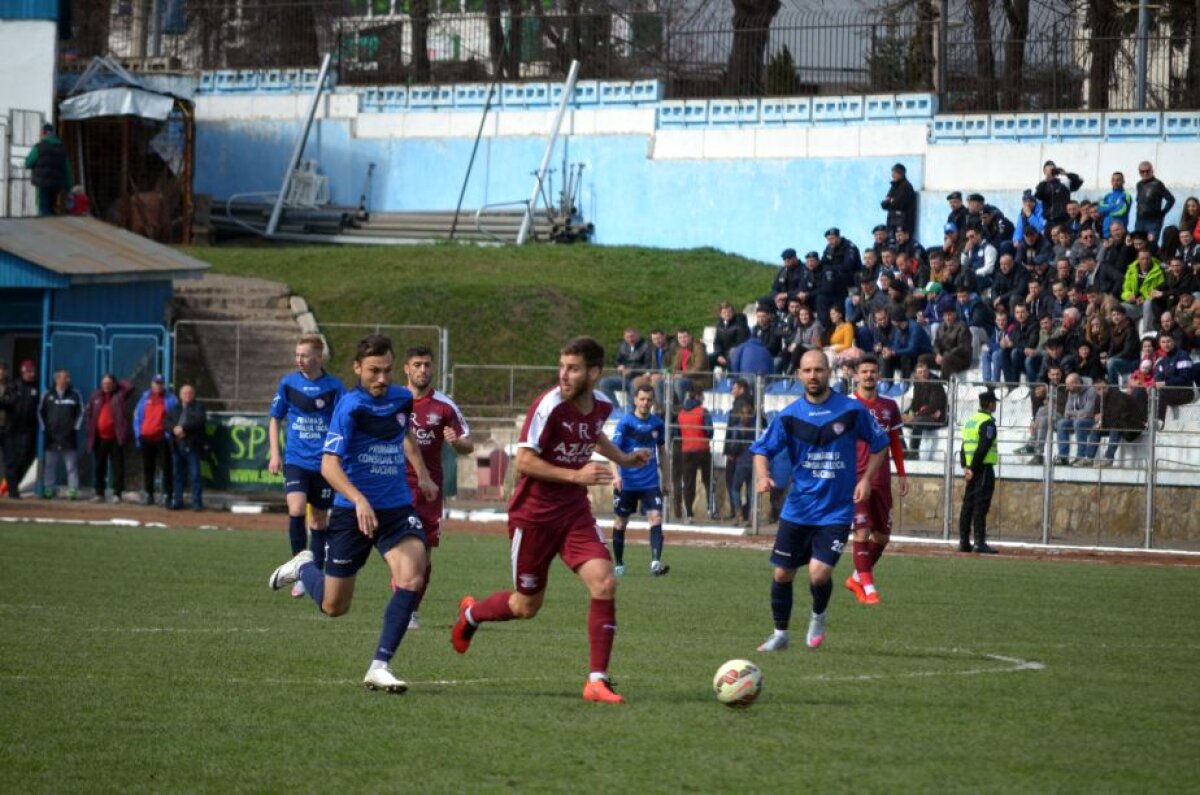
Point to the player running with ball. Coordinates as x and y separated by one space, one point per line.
873 517
549 513
366 451
819 433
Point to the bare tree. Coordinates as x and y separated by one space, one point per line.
985 57
746 71
920 47
1103 18
496 37
1017 14
420 40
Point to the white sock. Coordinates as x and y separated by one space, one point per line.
597 676
781 633
377 664
869 588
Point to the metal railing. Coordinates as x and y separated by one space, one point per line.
1068 60
1148 497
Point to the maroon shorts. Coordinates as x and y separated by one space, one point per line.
876 513
533 548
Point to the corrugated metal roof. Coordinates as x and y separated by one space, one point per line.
87 250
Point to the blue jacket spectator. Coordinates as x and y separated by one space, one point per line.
1116 204
752 358
1034 219
912 340
139 413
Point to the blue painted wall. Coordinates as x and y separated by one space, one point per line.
140 303
749 207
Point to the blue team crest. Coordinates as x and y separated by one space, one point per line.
401 417
653 434
320 403
839 428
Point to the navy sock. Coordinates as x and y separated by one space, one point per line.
314 583
656 542
781 603
820 596
318 548
619 546
297 534
395 623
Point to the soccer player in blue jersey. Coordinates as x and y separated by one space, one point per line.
305 400
640 430
367 447
819 433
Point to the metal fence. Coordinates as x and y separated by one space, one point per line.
1146 498
1050 60
236 365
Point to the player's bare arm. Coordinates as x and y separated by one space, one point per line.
616 473
335 476
461 444
530 464
275 462
412 452
638 458
762 475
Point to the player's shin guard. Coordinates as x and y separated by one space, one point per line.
494 608
781 604
820 596
875 549
656 542
297 534
863 563
314 583
317 547
395 623
619 546
602 629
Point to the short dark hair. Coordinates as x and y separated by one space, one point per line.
591 351
417 352
373 345
866 358
926 359
644 388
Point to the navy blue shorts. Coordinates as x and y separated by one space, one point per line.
318 493
625 502
797 544
347 549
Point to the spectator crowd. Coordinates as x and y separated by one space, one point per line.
1091 299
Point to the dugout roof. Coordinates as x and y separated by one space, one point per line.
83 250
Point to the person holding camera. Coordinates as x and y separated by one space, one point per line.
1054 191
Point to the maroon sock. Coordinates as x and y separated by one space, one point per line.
862 558
876 552
602 628
424 585
494 608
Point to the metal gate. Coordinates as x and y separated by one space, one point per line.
89 350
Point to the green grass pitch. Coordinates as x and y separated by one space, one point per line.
156 660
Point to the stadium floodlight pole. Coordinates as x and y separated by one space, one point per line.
1143 32
567 97
294 161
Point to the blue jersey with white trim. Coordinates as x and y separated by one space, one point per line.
368 434
634 433
821 440
307 405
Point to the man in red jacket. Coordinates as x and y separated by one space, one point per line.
108 431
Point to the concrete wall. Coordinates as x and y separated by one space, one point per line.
28 49
744 176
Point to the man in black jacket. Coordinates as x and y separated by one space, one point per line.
1054 191
61 416
51 169
633 359
189 441
732 331
788 278
20 400
1154 201
1115 256
900 202
1010 283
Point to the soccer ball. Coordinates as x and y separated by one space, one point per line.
737 683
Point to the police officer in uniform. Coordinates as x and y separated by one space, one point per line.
979 457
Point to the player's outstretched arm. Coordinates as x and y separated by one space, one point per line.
335 476
532 465
412 452
606 448
463 445
762 475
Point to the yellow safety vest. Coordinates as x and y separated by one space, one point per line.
970 435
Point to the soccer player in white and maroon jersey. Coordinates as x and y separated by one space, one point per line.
436 421
549 513
873 518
